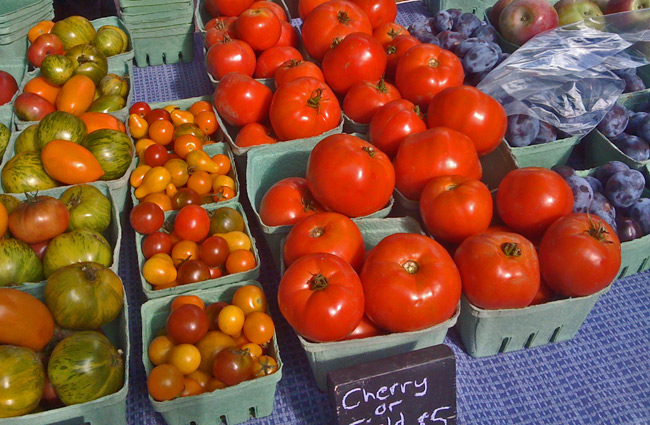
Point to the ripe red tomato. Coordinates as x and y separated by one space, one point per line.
146 218
8 87
273 7
140 108
473 113
395 49
219 29
253 134
498 269
187 324
271 59
240 100
192 223
157 114
385 33
321 297
155 243
230 56
391 124
366 97
359 57
260 28
365 329
306 6
304 107
350 176
325 232
425 70
192 271
331 20
288 37
379 11
214 251
455 207
292 69
232 365
287 202
434 152
156 155
410 283
227 7
38 219
579 255
530 199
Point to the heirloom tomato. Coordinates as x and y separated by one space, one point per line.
70 163
391 123
241 100
187 324
366 97
38 219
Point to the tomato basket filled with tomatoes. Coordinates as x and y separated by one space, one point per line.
193 248
211 353
348 310
280 195
54 228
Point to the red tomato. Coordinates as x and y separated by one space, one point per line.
379 11
410 283
544 294
187 324
157 114
230 56
292 69
395 49
273 7
287 202
240 100
455 207
350 176
38 219
254 134
260 28
232 365
473 113
425 70
156 155
218 29
304 107
271 59
214 251
227 7
365 329
391 123
498 269
321 297
306 6
365 98
325 232
146 218
530 199
579 255
385 33
434 152
155 243
8 87
288 36
331 20
192 223
140 108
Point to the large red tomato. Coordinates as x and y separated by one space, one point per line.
530 199
292 69
38 219
473 113
273 7
498 269
379 11
391 124
260 28
359 57
385 33
455 207
8 87
271 59
395 49
227 7
434 152
304 107
425 70
331 20
350 176
306 6
367 97
230 56
579 255
287 202
410 283
288 37
321 297
325 232
240 100
218 29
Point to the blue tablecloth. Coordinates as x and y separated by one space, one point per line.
602 376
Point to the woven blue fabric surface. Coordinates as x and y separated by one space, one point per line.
602 376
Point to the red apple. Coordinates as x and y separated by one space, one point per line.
32 107
616 6
44 45
496 10
8 87
570 11
521 20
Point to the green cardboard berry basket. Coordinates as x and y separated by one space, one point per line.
230 405
12 31
16 10
107 410
544 155
14 49
113 233
162 47
166 17
325 357
477 7
254 273
351 126
201 15
269 164
17 67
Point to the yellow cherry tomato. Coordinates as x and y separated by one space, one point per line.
231 320
179 117
171 108
159 271
178 170
219 180
138 126
236 240
155 180
200 160
138 174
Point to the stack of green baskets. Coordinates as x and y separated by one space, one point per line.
16 19
162 31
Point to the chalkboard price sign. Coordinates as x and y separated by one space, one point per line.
416 388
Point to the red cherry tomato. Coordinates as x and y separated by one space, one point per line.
156 155
146 218
140 108
192 223
156 243
214 251
187 324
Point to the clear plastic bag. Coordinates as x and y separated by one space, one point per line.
564 76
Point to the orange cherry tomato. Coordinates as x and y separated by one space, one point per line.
207 121
223 193
236 240
179 117
264 366
185 250
178 170
137 176
200 182
171 190
187 299
42 88
231 320
138 126
161 132
4 220
258 327
43 27
185 144
223 162
76 95
200 106
186 357
254 349
191 387
201 377
240 260
158 271
161 199
215 384
165 382
166 286
223 180
70 163
100 120
250 298
159 349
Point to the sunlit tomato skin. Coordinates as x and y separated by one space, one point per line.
192 223
434 152
227 7
321 297
530 199
425 70
379 11
288 37
498 269
254 134
579 255
273 7
387 32
410 283
157 242
287 202
187 324
395 49
306 6
241 100
391 123
362 181
365 329
140 108
260 28
271 59
366 97
475 114
230 56
292 69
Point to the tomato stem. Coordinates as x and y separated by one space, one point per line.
315 99
294 63
390 50
343 17
433 63
381 86
318 282
308 203
335 42
392 33
90 272
411 267
511 249
369 150
317 232
597 230
417 111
